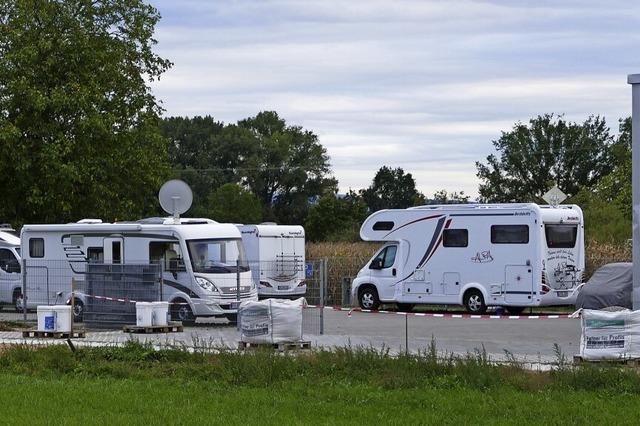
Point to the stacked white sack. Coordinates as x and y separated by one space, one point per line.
271 320
610 335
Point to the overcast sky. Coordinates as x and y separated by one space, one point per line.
421 85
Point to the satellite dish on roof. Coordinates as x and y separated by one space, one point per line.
175 198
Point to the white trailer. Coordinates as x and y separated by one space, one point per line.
201 261
475 255
10 276
276 257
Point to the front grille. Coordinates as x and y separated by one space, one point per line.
234 290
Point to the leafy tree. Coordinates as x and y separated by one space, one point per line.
231 203
78 122
286 169
444 197
616 186
392 189
336 219
548 150
604 221
206 154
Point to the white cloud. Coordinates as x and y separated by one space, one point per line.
421 85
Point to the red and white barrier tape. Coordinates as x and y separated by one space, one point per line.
447 315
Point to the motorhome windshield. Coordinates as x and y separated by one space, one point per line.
217 256
561 236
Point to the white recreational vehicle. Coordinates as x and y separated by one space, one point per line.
198 258
10 277
475 255
276 257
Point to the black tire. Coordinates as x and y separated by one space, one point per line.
474 302
514 310
78 310
405 307
368 298
232 318
181 311
17 301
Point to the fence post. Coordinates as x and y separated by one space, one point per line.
323 279
24 290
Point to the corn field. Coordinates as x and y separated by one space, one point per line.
344 260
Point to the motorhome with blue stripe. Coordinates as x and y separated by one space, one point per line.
203 264
475 255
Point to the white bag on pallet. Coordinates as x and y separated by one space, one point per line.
271 321
610 335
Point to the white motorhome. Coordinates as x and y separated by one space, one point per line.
10 276
201 261
475 255
276 257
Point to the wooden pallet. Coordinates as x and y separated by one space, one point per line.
632 362
76 334
281 347
170 328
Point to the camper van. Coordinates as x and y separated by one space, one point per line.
10 277
201 261
475 255
276 257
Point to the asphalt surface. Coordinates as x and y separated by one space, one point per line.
532 340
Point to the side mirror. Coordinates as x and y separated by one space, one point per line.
376 264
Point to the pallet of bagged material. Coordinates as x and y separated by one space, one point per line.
76 334
632 362
169 328
281 347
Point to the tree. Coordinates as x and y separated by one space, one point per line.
206 154
444 197
531 158
336 219
287 168
616 186
231 203
78 122
392 189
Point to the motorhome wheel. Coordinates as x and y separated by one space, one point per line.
474 302
78 310
17 301
181 311
368 298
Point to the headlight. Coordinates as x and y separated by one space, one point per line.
206 284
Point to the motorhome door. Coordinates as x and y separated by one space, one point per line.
113 250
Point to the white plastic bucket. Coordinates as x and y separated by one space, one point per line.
63 318
144 314
46 318
160 313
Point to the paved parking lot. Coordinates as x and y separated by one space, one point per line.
530 339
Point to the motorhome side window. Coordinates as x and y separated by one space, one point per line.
167 254
561 236
36 247
95 254
455 238
8 262
385 258
383 226
509 234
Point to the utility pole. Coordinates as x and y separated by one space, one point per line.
634 81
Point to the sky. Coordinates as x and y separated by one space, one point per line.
422 85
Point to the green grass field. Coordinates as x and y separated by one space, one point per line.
137 385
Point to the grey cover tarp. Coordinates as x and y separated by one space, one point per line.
610 285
